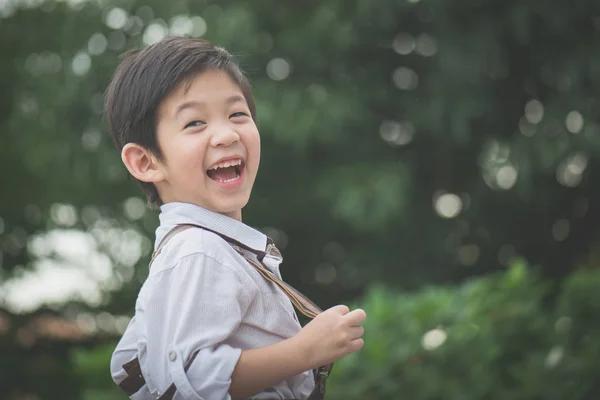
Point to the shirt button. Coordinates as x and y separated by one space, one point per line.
172 356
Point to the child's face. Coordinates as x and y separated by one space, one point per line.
201 127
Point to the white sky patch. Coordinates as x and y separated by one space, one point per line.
49 283
69 266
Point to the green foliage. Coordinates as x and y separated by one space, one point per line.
506 336
93 373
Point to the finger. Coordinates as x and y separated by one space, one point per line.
341 309
356 317
356 344
356 332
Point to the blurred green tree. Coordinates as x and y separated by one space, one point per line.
403 142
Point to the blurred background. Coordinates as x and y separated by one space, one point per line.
432 162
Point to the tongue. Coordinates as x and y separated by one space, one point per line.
222 174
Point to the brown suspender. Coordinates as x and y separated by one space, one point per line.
135 380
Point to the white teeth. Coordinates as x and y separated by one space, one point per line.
226 164
227 180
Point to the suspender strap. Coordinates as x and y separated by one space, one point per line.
135 380
301 302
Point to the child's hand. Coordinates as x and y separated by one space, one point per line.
331 335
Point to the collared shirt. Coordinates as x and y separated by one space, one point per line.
202 295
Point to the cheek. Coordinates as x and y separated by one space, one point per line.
253 144
257 145
187 155
194 145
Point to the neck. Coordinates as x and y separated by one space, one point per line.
235 215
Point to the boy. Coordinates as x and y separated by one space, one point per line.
182 114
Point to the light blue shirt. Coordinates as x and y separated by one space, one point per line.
202 295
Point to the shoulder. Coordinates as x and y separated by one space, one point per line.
196 243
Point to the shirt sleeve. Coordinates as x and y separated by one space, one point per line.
124 352
194 306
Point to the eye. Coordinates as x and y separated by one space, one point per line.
238 114
194 124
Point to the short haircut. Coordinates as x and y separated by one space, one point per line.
146 77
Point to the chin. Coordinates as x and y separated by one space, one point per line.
232 207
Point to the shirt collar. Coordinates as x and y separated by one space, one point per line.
186 213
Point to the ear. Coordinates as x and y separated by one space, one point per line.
141 163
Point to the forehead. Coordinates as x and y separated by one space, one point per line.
208 88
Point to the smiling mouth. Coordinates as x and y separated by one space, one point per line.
227 171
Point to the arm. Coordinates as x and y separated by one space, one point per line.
330 336
262 368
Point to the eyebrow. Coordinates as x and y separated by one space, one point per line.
236 98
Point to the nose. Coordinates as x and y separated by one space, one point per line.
224 136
